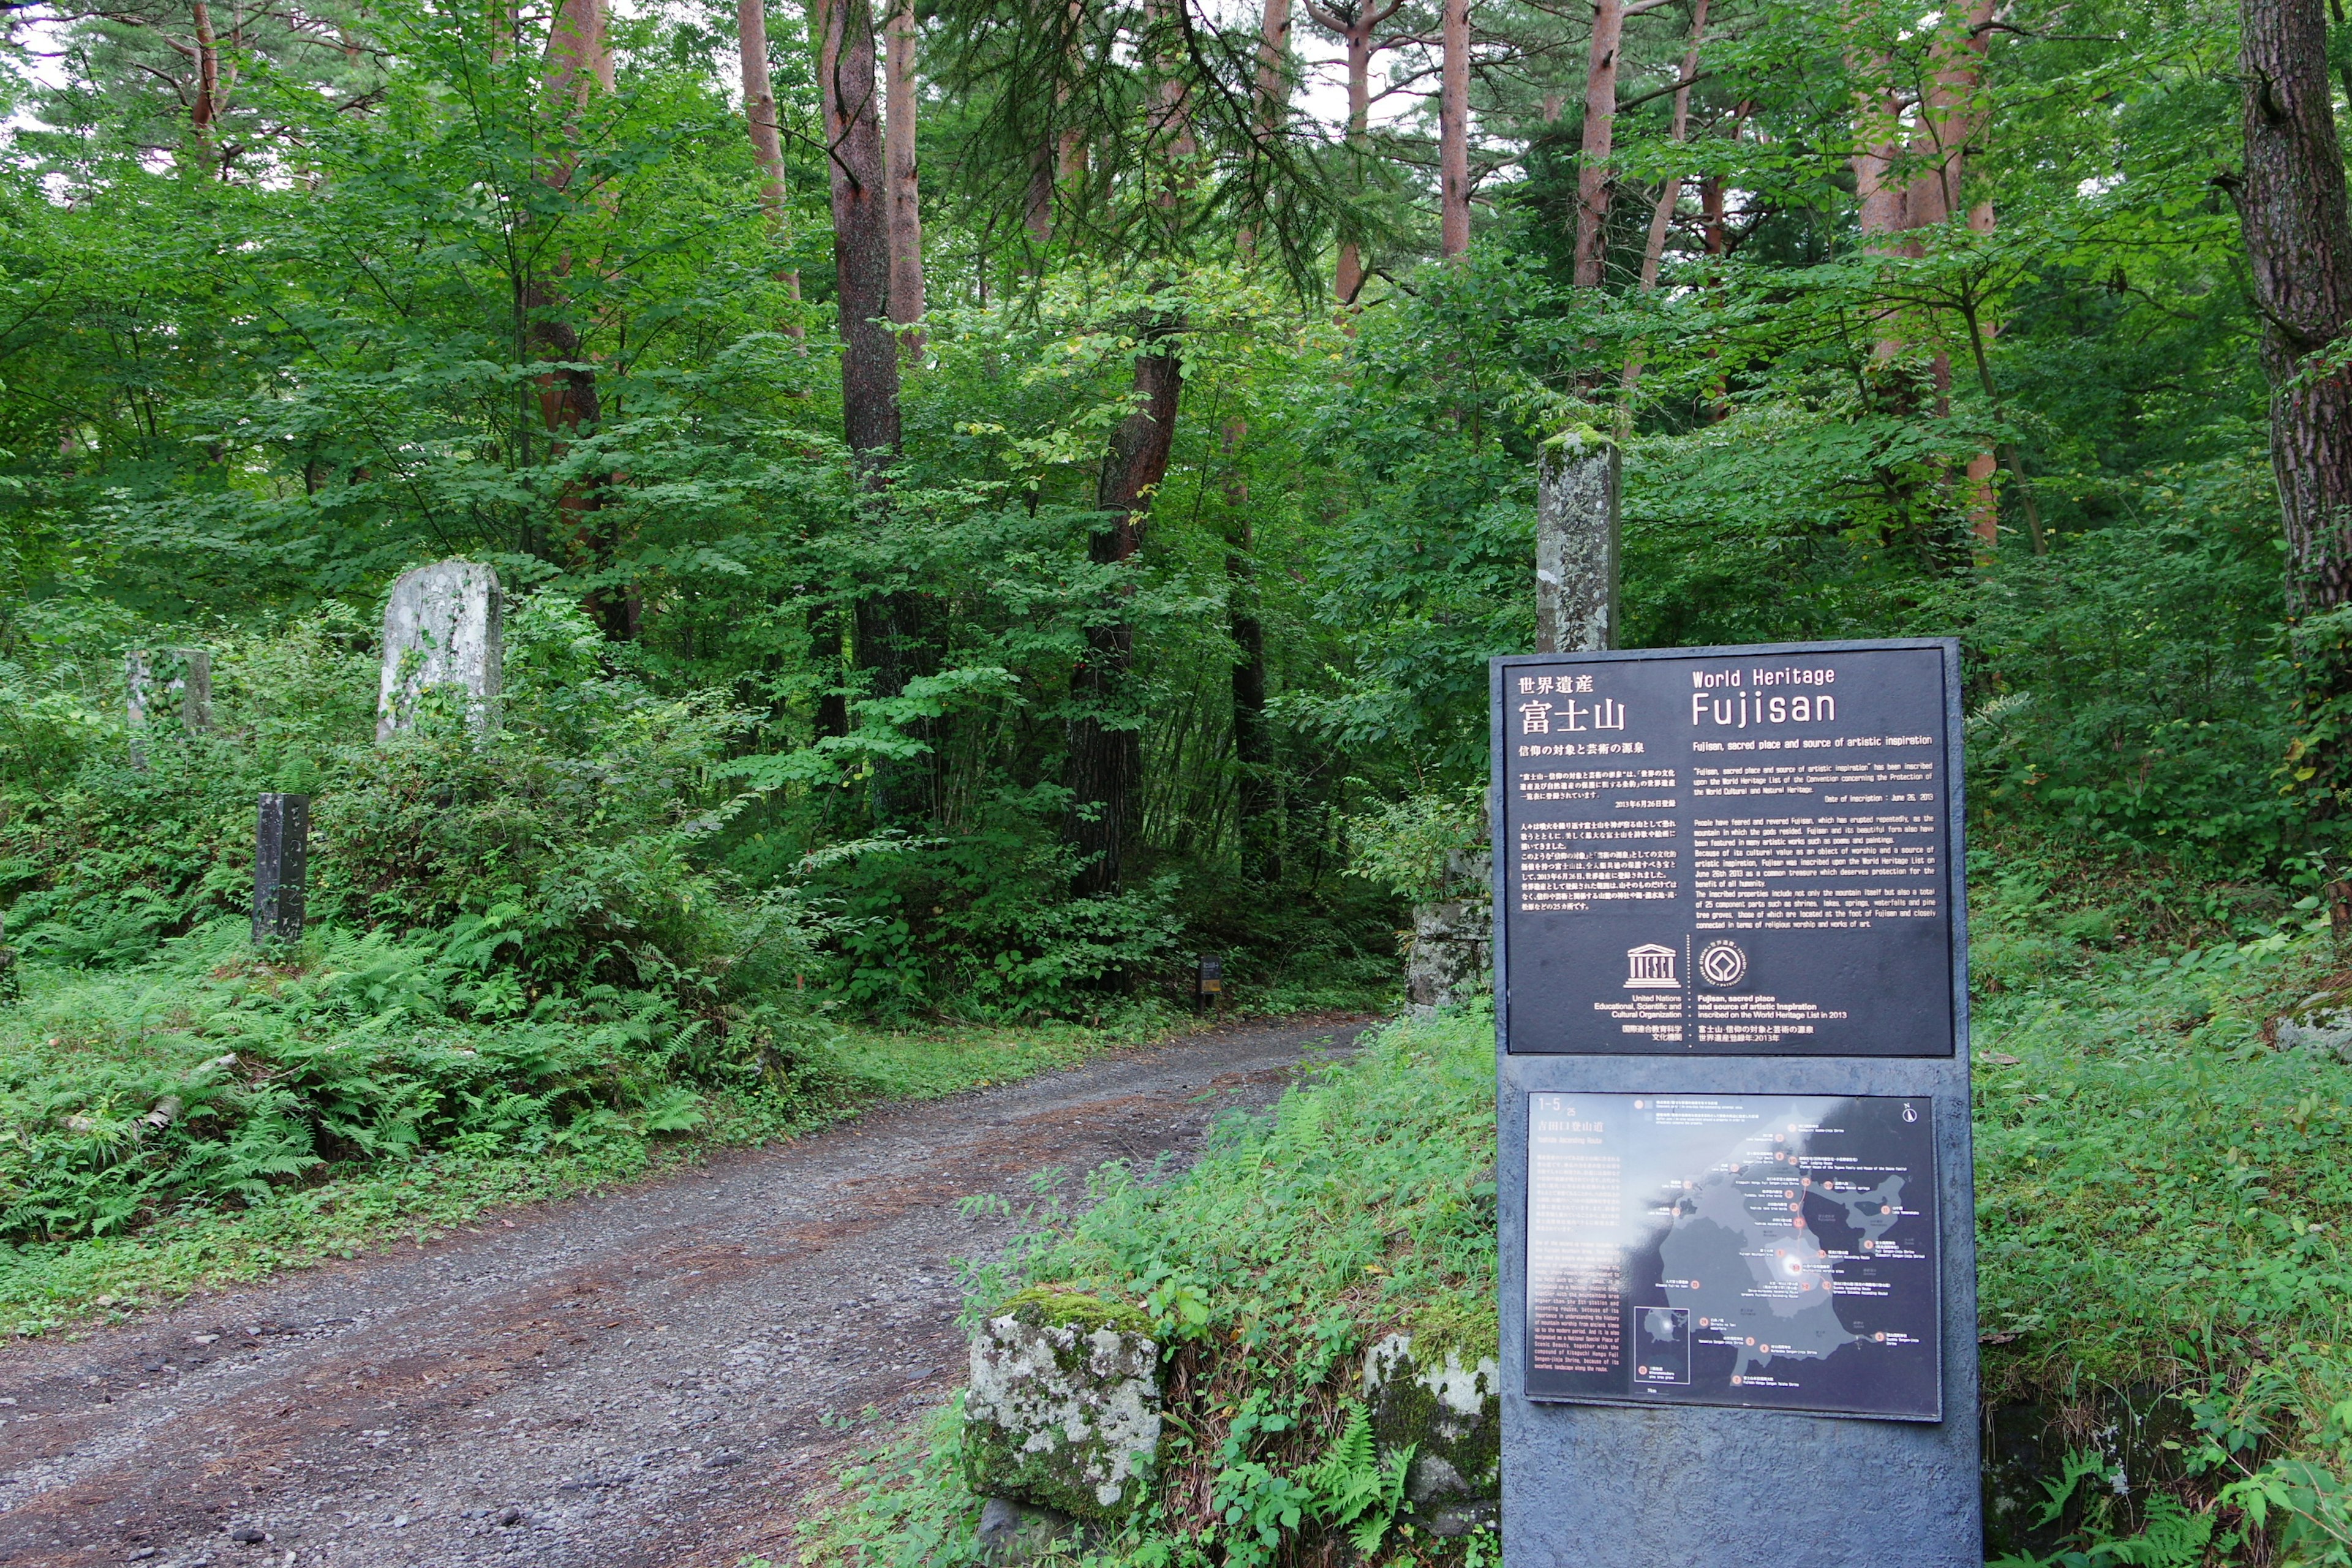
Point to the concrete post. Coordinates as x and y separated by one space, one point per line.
444 626
1577 480
281 864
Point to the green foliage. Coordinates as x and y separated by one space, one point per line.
1357 1488
1418 847
208 1077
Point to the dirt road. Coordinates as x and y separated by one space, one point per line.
645 1378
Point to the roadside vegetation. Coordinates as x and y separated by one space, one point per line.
2163 1212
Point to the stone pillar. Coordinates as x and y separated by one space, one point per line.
158 681
443 626
1577 479
282 865
1452 954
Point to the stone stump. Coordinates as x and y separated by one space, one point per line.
1452 1416
443 628
1452 955
1064 1411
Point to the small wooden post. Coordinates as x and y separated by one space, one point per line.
1209 986
281 863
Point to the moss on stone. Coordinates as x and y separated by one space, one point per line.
1048 1306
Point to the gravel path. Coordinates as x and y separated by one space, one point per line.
650 1377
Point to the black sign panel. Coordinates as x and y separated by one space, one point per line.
1745 853
1775 1251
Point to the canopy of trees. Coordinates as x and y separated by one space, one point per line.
1074 457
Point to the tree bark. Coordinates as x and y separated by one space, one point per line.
575 65
767 139
1106 744
1950 121
1257 800
1662 215
1595 182
2292 205
898 156
1037 202
1272 90
1454 130
1273 66
861 242
1106 747
887 626
203 116
1356 28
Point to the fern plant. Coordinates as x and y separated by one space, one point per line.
1355 1489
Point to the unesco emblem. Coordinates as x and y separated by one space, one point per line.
1723 963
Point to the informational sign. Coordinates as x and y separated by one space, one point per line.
1768 1250
1735 1198
1729 853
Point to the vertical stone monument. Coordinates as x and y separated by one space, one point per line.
282 866
443 626
159 680
1736 1202
1578 476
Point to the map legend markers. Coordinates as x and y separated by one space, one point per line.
1736 1212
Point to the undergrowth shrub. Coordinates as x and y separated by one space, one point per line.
210 1075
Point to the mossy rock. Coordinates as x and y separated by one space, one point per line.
1451 1414
1063 1410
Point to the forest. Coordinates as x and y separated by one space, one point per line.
1017 496
998 501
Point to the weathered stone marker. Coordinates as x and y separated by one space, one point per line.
1737 1215
1577 480
443 626
281 864
157 681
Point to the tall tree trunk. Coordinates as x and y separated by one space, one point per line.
1257 796
1037 202
1273 67
767 139
1356 28
1454 130
1272 90
203 116
2298 225
1984 503
887 626
1106 748
1595 182
898 156
1670 194
1662 216
861 236
1949 121
576 65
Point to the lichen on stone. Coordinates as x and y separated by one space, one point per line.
1062 1415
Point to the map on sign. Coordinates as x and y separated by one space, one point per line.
1768 1250
1730 854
